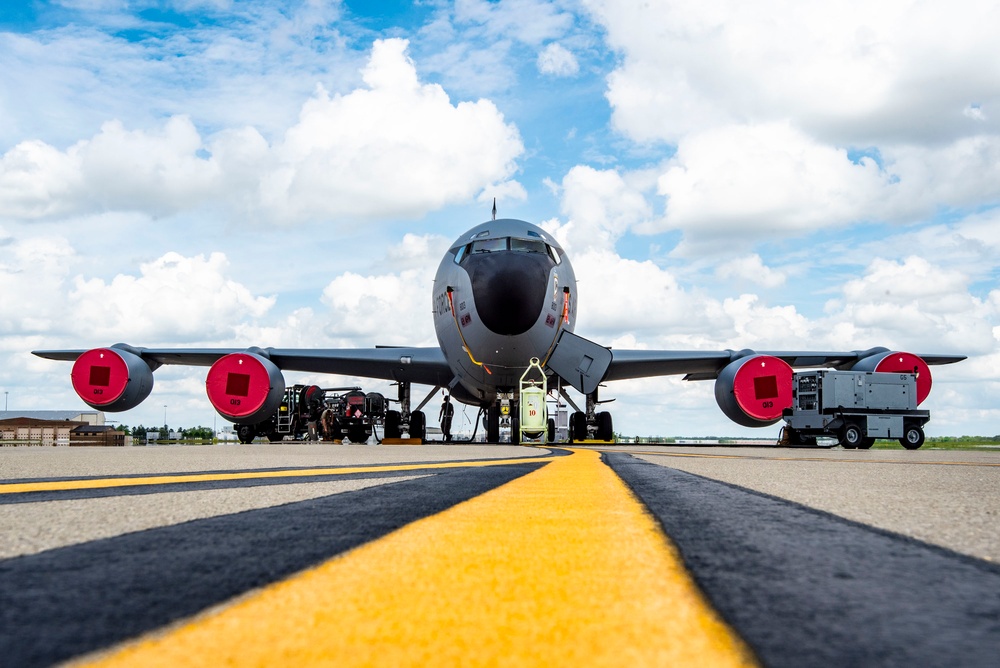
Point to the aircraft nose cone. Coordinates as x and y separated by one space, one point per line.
509 289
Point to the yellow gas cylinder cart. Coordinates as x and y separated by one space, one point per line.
534 419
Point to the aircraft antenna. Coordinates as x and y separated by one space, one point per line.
494 208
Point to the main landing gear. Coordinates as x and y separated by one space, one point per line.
591 424
403 421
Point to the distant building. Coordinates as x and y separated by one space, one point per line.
105 435
55 428
87 417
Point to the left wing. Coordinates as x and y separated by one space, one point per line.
424 366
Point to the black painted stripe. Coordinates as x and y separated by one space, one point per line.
106 492
807 588
65 602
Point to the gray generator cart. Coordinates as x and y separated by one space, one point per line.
856 407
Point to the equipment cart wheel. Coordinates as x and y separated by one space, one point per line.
246 433
867 443
851 436
913 437
551 432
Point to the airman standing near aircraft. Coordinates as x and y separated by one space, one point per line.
445 417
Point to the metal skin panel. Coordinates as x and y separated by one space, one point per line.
581 363
884 426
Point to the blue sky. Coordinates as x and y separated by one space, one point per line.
776 175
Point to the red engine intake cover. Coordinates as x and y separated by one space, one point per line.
99 376
898 362
753 391
245 387
111 379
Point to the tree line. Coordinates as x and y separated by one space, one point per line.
193 433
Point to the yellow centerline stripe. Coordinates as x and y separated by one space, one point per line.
563 566
103 483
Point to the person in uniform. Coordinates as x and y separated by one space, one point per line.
445 417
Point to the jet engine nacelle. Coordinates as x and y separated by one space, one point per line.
112 379
753 391
246 388
899 362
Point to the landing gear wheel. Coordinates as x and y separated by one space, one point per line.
246 433
867 443
392 422
418 425
551 435
605 427
851 436
578 427
913 437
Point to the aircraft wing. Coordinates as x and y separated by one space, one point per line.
424 366
707 364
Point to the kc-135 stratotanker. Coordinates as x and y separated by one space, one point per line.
504 295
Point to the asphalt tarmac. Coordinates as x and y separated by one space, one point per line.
488 555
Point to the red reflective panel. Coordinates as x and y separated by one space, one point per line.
908 363
763 387
237 385
99 376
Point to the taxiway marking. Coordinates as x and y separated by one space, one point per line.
134 481
563 565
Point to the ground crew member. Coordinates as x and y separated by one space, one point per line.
445 416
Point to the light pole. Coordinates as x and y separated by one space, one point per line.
164 416
5 393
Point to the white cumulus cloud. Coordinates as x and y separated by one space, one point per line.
395 147
558 61
173 298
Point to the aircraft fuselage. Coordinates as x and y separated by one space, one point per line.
502 294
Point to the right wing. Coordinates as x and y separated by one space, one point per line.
707 364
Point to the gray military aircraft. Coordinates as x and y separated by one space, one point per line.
504 293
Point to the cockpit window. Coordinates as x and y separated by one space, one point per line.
507 244
555 254
527 246
489 246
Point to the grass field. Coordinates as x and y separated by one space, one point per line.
948 443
